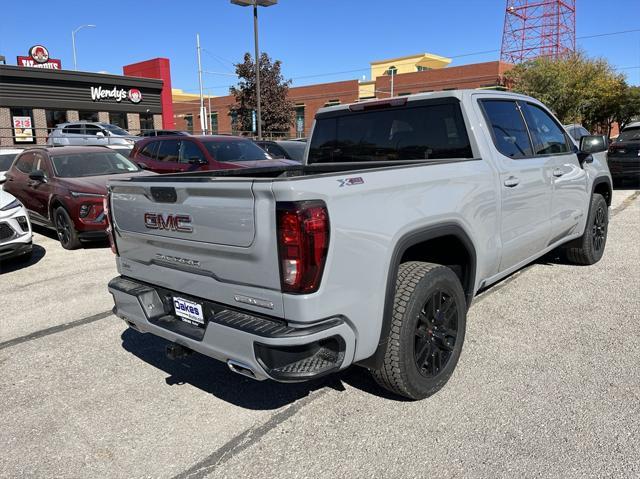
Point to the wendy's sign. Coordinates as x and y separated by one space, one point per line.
39 58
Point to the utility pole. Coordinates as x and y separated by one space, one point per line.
393 73
203 110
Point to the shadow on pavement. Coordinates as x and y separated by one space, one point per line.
21 262
214 377
49 233
627 184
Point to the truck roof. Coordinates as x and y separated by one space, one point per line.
459 94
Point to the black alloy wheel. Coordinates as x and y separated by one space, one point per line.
436 332
63 228
599 229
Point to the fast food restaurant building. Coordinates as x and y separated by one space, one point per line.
35 100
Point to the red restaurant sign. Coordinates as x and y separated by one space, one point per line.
39 58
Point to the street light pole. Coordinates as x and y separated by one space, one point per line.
257 59
73 43
255 4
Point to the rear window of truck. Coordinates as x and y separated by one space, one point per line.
397 134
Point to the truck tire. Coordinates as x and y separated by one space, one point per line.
589 248
65 229
427 330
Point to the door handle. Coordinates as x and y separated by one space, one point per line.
511 182
558 172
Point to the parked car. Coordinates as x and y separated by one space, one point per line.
63 188
7 155
287 149
124 150
369 253
84 133
164 133
15 228
624 154
576 131
172 154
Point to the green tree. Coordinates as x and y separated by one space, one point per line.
277 110
578 89
629 108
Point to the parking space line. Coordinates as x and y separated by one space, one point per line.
625 203
246 439
55 329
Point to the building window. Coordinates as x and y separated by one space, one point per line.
146 122
22 121
54 118
332 103
234 117
188 119
420 68
392 70
213 122
88 116
120 119
300 121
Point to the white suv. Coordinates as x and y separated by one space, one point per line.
15 227
85 133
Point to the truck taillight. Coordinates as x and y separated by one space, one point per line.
109 230
303 242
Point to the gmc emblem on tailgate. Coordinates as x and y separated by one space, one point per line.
158 221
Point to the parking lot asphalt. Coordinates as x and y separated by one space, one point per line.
548 385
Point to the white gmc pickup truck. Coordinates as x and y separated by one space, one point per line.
368 253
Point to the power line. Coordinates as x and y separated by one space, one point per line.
483 52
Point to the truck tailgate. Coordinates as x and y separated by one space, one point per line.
213 239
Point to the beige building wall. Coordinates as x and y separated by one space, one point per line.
40 124
72 115
6 129
408 64
157 122
133 120
103 117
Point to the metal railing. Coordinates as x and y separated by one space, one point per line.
26 137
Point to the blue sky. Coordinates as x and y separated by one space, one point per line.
311 37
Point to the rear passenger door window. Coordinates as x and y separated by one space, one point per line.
508 129
548 137
189 151
168 150
149 150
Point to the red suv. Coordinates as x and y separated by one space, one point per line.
63 188
171 154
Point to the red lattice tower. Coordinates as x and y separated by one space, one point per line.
535 28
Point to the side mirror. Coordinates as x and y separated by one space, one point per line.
37 175
593 144
100 134
3 178
143 166
196 160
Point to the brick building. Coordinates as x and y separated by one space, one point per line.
34 100
412 74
